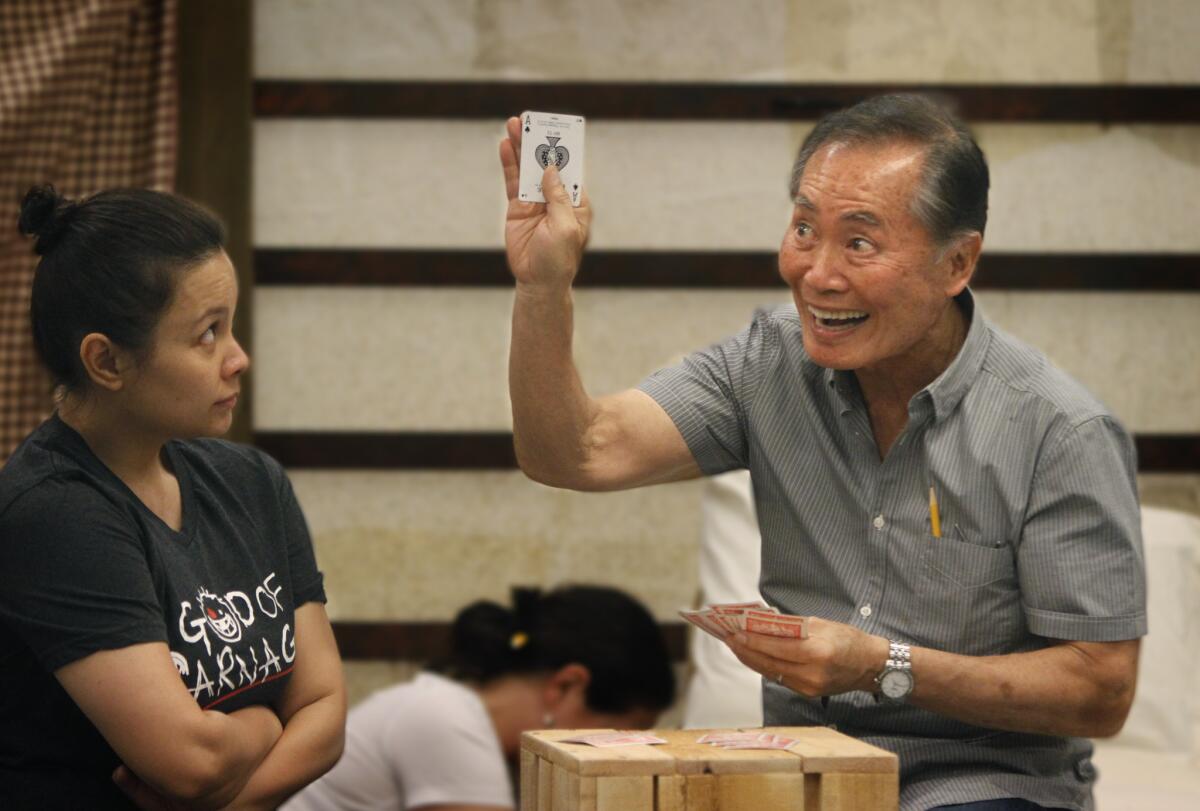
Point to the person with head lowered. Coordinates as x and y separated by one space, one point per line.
162 624
957 516
576 657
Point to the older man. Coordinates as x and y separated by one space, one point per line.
981 647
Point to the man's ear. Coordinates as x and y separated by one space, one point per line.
105 363
961 260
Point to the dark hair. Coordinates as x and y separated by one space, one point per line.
952 199
110 264
604 629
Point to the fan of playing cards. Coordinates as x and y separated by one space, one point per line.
724 619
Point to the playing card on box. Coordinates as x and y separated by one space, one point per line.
746 740
724 737
551 139
778 743
603 739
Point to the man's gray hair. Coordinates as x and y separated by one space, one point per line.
952 198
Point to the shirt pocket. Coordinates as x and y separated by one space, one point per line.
959 561
972 600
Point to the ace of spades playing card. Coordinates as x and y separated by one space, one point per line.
551 138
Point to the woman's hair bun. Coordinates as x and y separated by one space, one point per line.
42 213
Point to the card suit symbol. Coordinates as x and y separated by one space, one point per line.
551 152
527 129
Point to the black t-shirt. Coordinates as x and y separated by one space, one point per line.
85 566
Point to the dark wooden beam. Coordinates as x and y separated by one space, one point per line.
381 267
337 450
397 641
1088 271
423 641
215 131
1168 453
703 269
698 101
340 450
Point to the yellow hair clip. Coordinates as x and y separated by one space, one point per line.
518 640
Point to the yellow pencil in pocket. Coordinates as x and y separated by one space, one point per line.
935 520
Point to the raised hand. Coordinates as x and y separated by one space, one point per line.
544 242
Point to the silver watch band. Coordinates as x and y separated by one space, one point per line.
899 664
899 654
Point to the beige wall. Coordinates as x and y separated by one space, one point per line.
412 545
748 40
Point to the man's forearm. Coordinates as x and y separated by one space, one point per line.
1064 689
1068 688
552 412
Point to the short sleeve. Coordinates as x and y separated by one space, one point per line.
74 578
1080 559
445 755
307 580
710 392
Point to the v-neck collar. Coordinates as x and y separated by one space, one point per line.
178 468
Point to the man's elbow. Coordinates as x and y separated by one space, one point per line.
578 480
1104 714
562 475
1107 674
1109 710
539 473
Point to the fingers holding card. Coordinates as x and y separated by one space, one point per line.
510 156
550 139
544 243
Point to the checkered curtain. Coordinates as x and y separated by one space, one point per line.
87 102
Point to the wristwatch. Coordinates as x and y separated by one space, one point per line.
896 679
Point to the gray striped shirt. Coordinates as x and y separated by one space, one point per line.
1040 530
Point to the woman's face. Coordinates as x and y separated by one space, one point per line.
188 384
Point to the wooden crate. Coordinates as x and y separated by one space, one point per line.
824 771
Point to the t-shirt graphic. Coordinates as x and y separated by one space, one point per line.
226 644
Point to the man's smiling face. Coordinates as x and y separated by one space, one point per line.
866 276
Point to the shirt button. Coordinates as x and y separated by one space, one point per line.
878 522
865 610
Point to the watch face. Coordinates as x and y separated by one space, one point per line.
896 683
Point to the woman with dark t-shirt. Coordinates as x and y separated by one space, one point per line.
163 636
